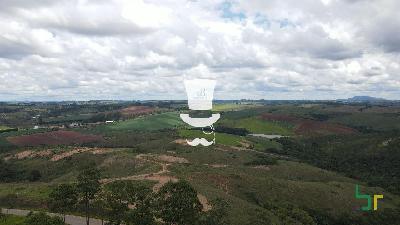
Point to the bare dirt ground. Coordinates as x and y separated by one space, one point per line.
56 157
63 155
181 142
216 165
262 167
134 111
29 154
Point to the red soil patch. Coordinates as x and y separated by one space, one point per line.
316 127
54 138
310 127
136 111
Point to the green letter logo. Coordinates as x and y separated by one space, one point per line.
368 197
360 196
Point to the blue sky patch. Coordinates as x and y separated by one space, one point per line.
229 13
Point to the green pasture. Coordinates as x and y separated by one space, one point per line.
169 120
232 106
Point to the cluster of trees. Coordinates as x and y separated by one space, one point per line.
231 130
123 202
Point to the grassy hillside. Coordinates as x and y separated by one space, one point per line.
167 120
302 179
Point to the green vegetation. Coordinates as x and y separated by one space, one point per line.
179 204
12 220
371 158
262 161
231 106
300 179
221 138
161 121
33 191
87 187
370 121
63 198
42 218
3 128
263 144
258 126
175 203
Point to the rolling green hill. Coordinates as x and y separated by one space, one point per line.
161 121
300 179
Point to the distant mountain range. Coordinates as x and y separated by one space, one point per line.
362 99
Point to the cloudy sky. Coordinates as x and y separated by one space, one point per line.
144 49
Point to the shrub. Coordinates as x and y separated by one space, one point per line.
42 218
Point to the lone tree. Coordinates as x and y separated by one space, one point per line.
178 204
115 196
63 198
142 198
99 206
88 185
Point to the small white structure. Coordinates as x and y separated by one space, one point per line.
110 121
74 124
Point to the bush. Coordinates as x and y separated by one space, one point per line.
42 218
34 175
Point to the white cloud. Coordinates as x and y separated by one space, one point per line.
142 49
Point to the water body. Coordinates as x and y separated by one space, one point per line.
269 136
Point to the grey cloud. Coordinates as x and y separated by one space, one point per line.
14 50
62 51
106 28
385 34
315 43
15 4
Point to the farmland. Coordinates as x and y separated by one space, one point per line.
305 177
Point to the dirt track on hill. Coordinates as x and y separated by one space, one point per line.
57 156
161 176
